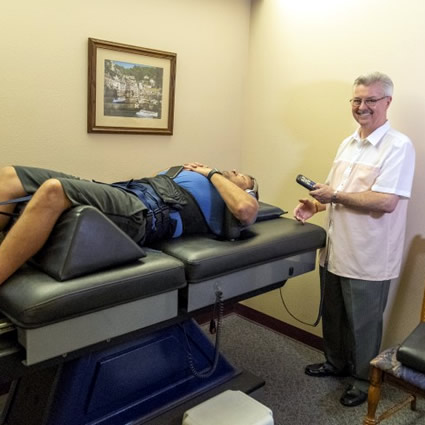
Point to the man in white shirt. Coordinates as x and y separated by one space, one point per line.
365 195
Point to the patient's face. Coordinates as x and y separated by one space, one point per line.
239 179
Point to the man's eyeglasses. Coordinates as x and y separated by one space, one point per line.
368 102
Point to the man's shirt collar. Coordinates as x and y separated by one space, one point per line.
374 137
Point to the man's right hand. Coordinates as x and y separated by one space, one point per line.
304 210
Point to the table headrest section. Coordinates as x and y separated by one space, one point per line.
30 298
84 241
206 257
269 212
232 228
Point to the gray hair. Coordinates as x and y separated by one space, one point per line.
376 77
254 188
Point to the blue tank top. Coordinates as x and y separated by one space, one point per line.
206 195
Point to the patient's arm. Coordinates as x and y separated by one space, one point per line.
241 204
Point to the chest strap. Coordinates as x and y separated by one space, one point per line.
181 200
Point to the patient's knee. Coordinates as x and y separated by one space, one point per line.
7 172
10 185
10 188
51 195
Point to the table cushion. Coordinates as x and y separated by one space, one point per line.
31 298
206 256
84 241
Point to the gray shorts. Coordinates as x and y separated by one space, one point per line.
122 208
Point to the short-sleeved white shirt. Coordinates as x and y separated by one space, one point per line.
369 245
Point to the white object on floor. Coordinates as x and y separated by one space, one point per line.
229 408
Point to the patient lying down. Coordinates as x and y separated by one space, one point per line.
147 209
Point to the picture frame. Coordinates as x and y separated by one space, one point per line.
130 89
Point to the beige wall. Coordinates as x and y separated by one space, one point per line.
43 93
277 110
304 56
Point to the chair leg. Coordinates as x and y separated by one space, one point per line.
413 403
374 395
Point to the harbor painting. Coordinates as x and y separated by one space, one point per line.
131 89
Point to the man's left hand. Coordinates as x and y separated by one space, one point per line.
322 193
198 167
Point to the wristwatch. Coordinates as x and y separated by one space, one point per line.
212 172
333 199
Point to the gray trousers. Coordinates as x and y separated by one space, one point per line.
352 322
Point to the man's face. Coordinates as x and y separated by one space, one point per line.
239 179
370 116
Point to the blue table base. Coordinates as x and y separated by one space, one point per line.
133 381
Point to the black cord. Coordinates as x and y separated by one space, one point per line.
319 314
322 291
203 375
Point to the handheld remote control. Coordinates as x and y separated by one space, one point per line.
304 181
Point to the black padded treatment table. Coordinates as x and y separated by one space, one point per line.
96 330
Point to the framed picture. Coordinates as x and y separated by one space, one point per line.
130 89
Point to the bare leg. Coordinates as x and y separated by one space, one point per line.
10 188
33 228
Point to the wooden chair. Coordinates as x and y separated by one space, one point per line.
402 365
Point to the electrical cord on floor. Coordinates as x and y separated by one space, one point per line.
322 292
319 314
214 328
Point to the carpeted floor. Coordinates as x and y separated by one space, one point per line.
294 397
